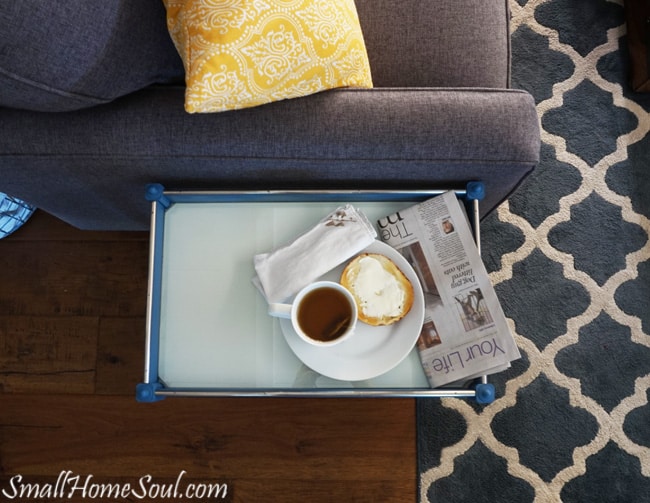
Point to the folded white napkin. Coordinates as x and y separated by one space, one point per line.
282 272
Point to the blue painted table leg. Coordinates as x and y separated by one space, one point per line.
146 392
484 393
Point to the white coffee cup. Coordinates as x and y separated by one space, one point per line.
323 313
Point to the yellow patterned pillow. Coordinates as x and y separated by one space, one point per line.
243 53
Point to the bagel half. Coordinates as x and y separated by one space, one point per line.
384 295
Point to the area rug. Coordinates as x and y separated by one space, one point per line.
569 256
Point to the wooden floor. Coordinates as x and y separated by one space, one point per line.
72 317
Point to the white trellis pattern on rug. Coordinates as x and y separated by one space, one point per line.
596 281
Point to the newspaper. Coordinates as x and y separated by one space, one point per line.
465 333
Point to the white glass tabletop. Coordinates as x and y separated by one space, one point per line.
214 328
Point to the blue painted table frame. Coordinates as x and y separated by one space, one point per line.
153 387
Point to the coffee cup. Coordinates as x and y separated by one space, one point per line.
323 313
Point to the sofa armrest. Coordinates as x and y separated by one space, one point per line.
92 165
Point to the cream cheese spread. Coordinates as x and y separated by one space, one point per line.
379 292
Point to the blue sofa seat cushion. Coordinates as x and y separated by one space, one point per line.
73 54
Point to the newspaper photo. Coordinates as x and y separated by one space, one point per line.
465 333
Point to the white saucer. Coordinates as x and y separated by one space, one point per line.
371 351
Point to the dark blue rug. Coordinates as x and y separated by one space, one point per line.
570 259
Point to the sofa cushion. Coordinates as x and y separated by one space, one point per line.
247 53
61 56
437 43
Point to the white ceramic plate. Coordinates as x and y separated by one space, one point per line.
371 351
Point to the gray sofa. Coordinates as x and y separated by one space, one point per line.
91 110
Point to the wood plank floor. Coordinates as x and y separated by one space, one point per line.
72 317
